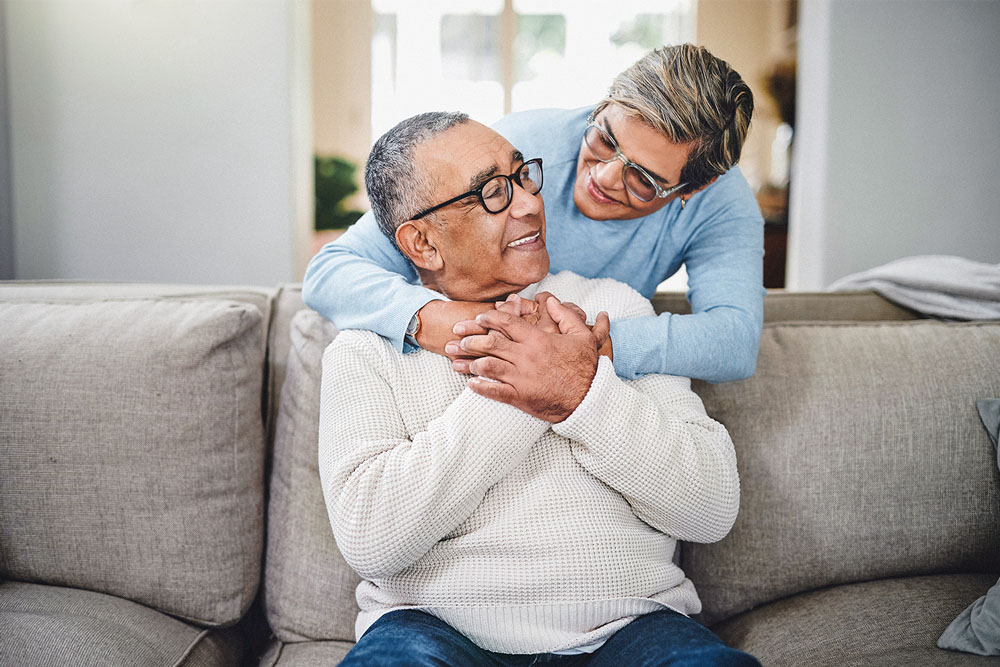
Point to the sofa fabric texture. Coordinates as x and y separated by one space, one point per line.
309 588
133 450
49 625
863 457
890 623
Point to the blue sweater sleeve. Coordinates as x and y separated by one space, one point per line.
719 341
361 281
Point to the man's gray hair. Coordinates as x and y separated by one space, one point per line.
689 95
397 188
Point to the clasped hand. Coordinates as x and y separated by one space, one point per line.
539 356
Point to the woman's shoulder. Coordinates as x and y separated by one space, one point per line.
552 134
729 193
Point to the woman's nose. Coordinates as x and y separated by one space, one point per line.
608 175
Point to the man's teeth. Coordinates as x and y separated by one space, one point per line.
526 239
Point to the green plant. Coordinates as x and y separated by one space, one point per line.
335 182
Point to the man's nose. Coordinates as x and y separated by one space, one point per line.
524 203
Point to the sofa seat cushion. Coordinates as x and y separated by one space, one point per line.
50 625
886 623
132 442
305 654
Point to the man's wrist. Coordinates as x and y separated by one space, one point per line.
413 328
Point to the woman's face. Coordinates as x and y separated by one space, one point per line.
600 192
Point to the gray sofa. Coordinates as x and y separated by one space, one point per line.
160 503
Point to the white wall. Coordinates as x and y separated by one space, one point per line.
898 135
6 211
157 140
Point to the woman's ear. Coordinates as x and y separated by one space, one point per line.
413 241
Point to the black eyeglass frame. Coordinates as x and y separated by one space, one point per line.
510 178
658 192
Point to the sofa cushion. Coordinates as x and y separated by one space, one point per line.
132 446
886 623
48 625
305 654
861 456
308 587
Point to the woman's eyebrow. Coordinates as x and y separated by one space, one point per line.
607 128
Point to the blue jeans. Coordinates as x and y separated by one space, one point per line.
415 638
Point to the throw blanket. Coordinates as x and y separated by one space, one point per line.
935 285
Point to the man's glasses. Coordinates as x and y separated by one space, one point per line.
497 193
638 181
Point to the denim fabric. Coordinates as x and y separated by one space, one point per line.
415 638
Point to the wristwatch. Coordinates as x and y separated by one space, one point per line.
412 328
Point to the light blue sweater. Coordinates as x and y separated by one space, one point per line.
361 281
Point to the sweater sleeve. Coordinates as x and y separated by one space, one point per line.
719 340
391 495
652 441
361 281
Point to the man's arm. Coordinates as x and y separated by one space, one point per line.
652 441
391 495
361 281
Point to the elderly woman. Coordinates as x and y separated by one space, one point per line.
486 535
638 185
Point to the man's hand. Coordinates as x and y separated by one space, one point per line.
546 374
532 312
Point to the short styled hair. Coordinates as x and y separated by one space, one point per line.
396 187
691 96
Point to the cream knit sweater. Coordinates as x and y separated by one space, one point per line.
525 536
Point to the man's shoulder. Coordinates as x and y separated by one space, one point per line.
359 344
593 295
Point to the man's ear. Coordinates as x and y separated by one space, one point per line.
413 241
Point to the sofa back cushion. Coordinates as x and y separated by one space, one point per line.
861 456
132 449
308 587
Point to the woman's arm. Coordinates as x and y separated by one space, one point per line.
361 281
719 341
392 495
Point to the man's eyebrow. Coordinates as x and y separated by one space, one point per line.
516 157
482 177
646 169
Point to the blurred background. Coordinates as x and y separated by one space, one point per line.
222 141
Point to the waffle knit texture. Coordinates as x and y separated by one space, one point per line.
361 281
527 537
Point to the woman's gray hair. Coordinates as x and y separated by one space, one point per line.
691 96
396 188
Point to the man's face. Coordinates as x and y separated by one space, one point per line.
484 256
599 191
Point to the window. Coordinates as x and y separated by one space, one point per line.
490 57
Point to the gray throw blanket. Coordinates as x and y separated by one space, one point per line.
935 285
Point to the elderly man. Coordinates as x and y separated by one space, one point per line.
491 535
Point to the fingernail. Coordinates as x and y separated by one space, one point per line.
479 317
452 348
458 329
